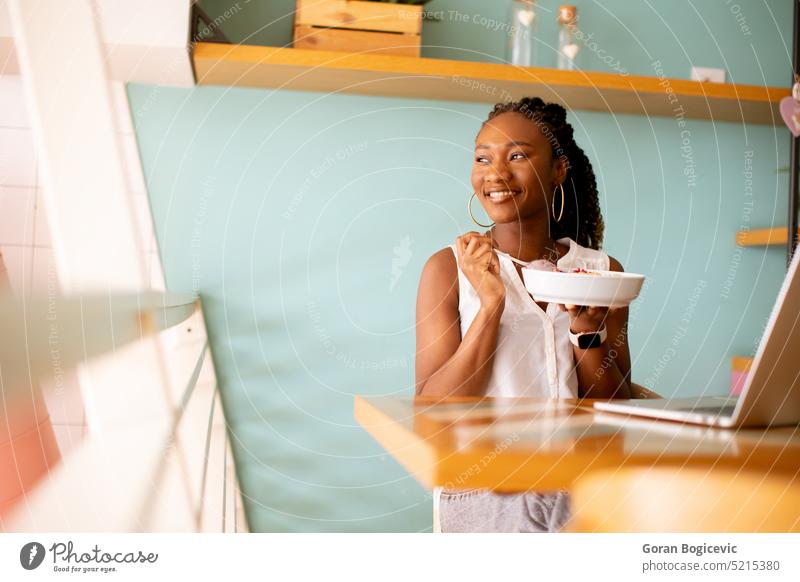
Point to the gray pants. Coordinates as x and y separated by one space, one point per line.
480 510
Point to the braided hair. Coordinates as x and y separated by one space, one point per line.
581 219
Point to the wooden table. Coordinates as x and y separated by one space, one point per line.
537 444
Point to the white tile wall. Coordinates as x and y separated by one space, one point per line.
18 262
17 157
26 245
27 249
16 215
13 112
25 239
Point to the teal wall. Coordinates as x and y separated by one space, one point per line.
304 220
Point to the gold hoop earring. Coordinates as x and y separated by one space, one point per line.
553 204
469 209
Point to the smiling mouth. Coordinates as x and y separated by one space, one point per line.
501 196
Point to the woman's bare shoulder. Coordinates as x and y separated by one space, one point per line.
444 259
440 273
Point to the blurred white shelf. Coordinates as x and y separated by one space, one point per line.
58 332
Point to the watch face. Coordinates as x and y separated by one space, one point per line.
589 340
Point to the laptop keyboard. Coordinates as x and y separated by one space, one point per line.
717 410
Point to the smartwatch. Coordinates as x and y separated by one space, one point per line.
587 340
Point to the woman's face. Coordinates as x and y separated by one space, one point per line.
514 159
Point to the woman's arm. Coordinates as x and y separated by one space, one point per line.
446 365
603 372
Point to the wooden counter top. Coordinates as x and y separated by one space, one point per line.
539 444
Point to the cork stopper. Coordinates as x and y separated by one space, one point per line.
567 15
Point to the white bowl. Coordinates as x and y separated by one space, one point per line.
594 288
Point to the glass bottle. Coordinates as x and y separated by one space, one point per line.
567 46
522 33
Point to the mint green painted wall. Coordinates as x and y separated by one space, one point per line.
304 219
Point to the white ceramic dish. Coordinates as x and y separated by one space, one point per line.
593 288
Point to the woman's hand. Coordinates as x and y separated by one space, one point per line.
480 264
586 319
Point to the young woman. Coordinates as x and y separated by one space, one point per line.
480 333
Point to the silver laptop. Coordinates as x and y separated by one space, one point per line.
771 394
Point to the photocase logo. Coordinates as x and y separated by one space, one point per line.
402 255
31 555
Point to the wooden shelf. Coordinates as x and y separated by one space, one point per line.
762 236
423 78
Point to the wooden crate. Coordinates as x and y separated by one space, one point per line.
358 26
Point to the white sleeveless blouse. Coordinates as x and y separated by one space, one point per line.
534 356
